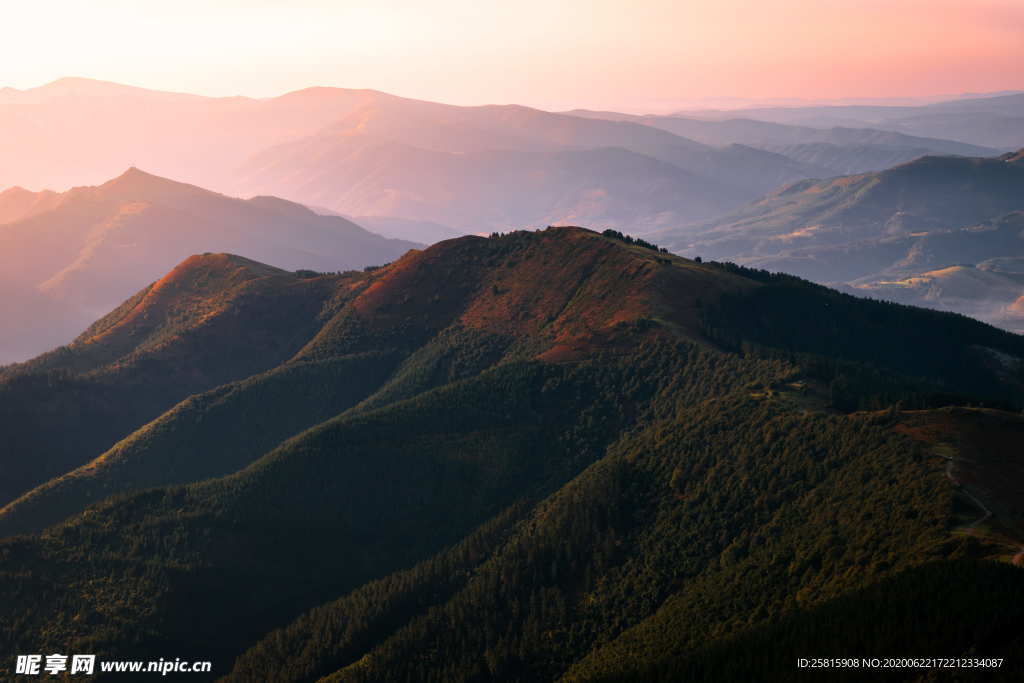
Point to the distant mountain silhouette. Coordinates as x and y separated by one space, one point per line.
928 193
17 203
364 153
493 190
988 121
90 247
495 167
78 131
350 151
934 232
840 150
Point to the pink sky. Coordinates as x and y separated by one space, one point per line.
632 55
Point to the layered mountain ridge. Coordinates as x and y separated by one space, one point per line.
572 436
992 121
893 234
838 149
467 169
83 251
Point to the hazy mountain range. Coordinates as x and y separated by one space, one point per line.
468 169
423 172
68 257
739 104
996 121
839 150
942 232
494 167
554 455
362 152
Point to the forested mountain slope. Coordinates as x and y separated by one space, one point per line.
516 458
213 319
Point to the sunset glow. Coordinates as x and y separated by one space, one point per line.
644 55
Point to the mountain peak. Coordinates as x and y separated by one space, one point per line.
135 172
67 82
15 190
77 86
574 291
226 261
195 288
138 184
16 202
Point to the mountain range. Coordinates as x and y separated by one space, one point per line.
943 232
69 257
746 190
551 455
398 161
993 121
366 153
484 168
836 149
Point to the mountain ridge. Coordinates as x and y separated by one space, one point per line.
170 340
573 427
891 234
919 190
245 146
92 246
838 149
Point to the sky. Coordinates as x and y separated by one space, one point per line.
631 55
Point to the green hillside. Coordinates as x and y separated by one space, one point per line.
177 337
543 456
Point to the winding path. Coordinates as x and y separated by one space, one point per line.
1018 559
963 489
